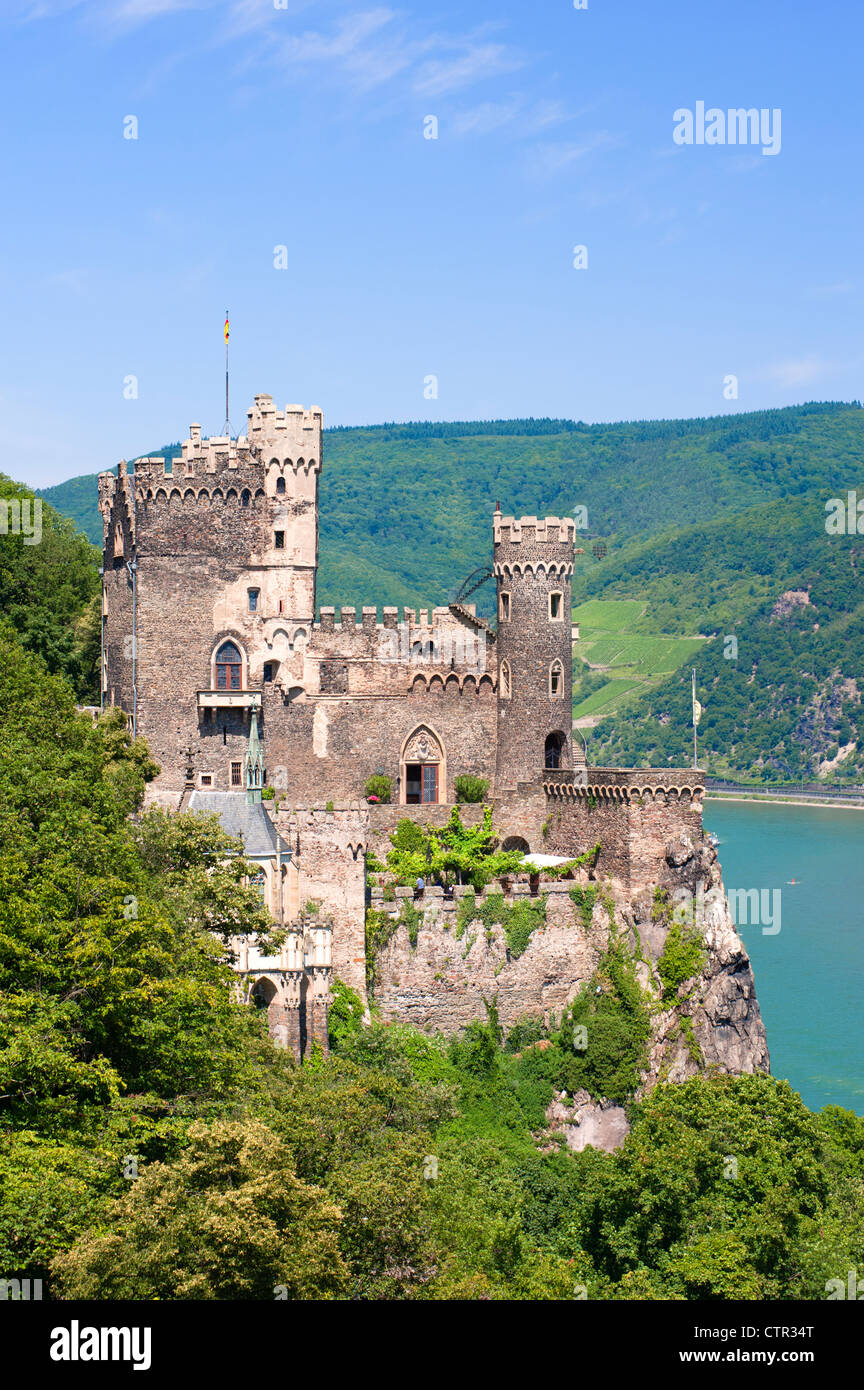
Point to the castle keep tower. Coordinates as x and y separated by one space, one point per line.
209 584
533 564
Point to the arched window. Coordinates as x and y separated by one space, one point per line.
229 668
505 680
556 681
280 485
555 745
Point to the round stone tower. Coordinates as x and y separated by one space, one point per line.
533 562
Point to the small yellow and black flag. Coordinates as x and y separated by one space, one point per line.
226 326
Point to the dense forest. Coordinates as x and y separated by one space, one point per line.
155 1145
709 521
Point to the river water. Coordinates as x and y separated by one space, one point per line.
810 973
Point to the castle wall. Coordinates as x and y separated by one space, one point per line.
327 748
441 983
329 849
647 822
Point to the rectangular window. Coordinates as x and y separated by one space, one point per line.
253 600
505 608
430 782
236 774
555 684
269 671
206 779
555 606
421 783
279 541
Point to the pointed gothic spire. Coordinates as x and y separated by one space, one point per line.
254 761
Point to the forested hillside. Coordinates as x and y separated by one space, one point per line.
49 593
708 522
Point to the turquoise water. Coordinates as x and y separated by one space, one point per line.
810 976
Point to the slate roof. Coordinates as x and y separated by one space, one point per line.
251 824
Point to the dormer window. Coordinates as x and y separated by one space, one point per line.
253 599
229 668
556 612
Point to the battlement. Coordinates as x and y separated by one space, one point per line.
279 445
531 545
511 530
617 784
117 506
419 624
340 813
294 431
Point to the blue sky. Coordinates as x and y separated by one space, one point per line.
302 127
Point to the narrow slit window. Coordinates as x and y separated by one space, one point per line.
279 540
505 608
253 600
555 609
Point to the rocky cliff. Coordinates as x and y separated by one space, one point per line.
535 947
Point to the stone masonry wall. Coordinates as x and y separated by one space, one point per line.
329 849
533 559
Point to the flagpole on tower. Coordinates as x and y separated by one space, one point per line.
227 418
697 710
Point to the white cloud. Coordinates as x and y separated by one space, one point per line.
550 157
478 63
798 372
829 291
522 118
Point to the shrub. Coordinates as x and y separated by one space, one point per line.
585 898
408 836
470 789
617 1026
379 786
267 794
682 958
345 1014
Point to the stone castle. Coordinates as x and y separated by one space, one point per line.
213 644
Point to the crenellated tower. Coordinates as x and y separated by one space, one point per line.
533 564
210 563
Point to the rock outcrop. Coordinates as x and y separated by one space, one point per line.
460 957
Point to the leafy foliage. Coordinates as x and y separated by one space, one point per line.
455 852
49 594
380 786
518 918
471 789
